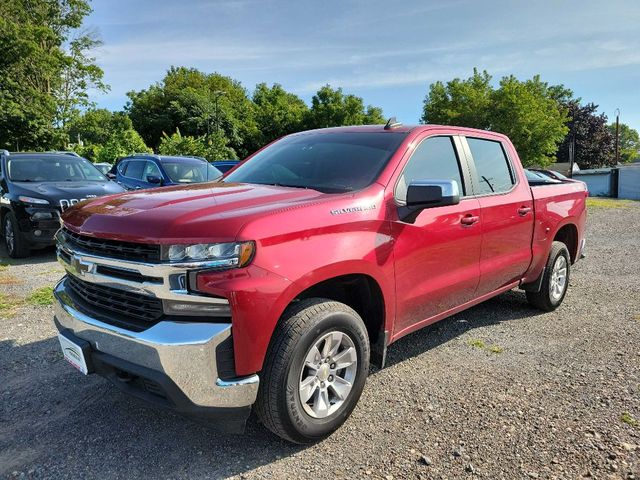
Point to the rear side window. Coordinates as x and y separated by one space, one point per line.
434 159
492 166
134 169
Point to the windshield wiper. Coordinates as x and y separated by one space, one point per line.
290 185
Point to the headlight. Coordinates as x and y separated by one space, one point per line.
216 255
36 201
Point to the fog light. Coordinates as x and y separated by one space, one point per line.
37 233
173 307
42 216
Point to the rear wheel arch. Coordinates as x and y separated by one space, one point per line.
568 234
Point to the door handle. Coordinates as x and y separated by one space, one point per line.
522 211
469 219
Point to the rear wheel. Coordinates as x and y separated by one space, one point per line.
555 281
13 238
314 372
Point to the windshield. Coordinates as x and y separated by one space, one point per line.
103 167
190 171
53 169
327 162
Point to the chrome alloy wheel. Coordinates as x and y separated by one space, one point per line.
9 235
558 282
328 374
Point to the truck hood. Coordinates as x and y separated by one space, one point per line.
212 212
57 191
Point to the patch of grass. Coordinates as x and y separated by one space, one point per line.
8 306
4 266
41 297
600 202
477 343
10 280
628 419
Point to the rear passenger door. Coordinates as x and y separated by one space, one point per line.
436 257
131 175
506 207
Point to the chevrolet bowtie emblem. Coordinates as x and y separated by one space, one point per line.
81 267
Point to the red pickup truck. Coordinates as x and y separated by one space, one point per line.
279 284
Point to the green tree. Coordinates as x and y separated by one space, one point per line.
42 81
332 108
102 136
526 111
277 112
212 147
466 103
121 143
198 104
628 143
96 126
530 117
79 74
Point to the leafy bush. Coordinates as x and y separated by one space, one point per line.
212 147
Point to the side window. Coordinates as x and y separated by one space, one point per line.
151 169
122 167
134 169
492 166
434 159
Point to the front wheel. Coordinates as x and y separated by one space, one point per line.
13 238
555 280
315 370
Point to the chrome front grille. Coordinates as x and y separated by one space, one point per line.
113 248
120 303
132 293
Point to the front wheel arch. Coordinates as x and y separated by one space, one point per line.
279 404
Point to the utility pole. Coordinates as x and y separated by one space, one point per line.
216 95
572 153
617 135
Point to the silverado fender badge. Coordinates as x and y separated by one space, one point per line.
361 208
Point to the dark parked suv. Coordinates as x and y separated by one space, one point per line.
35 188
147 171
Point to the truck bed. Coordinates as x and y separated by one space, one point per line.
556 204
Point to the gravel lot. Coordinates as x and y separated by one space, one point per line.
499 391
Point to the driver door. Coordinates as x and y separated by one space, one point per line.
436 258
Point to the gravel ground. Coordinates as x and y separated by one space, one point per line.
499 391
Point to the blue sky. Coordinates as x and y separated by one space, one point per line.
384 51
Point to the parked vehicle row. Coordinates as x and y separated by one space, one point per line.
144 171
36 187
277 286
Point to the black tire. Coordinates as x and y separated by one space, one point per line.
279 404
17 248
544 299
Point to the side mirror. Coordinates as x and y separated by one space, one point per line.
154 179
422 194
111 176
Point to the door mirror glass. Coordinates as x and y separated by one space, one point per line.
422 194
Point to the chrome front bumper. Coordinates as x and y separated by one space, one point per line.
184 352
